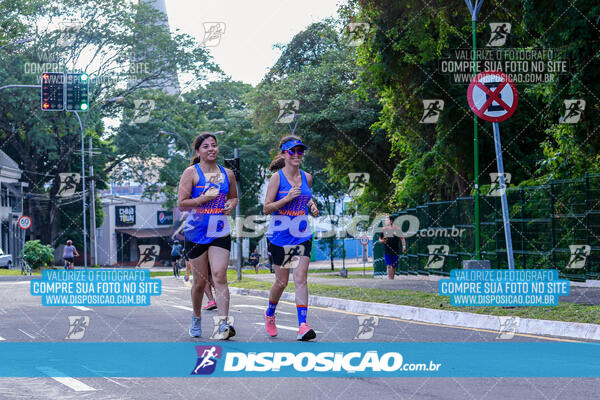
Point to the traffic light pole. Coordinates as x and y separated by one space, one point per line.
83 190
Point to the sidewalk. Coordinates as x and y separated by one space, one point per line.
581 292
423 283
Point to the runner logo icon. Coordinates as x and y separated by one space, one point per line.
500 31
207 359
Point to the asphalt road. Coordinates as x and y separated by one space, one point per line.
23 319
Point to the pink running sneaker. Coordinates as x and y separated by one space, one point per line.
270 326
306 332
211 305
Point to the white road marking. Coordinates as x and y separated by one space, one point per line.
31 336
1 338
15 283
82 308
105 377
287 328
168 289
183 307
72 383
262 308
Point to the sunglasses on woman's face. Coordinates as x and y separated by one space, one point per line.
291 152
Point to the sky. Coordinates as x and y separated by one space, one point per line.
252 27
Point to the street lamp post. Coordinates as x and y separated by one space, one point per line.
474 10
20 41
181 139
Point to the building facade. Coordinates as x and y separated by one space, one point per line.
11 207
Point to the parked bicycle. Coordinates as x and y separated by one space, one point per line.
25 267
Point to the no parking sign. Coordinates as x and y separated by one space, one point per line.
493 96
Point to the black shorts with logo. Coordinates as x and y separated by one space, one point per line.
278 252
195 250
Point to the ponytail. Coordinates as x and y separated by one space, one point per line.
277 163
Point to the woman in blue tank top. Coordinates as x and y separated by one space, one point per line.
208 193
289 199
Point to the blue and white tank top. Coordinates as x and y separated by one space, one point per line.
207 222
289 225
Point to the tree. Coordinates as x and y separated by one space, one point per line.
127 51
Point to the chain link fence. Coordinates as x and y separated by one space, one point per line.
552 226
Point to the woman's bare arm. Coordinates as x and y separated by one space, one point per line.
271 205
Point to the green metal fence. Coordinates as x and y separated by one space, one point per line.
545 220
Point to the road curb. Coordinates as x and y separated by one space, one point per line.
450 318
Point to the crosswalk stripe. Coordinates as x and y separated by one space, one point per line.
72 383
287 328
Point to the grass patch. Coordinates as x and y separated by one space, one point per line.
14 272
337 276
568 312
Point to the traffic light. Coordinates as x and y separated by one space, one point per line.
76 92
52 91
234 165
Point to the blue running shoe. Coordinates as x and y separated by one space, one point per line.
196 327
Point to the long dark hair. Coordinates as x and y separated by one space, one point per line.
279 162
198 142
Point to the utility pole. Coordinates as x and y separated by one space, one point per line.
93 245
238 223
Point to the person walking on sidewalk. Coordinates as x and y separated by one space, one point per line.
289 199
391 238
208 191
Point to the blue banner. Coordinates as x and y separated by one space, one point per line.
294 359
96 287
494 287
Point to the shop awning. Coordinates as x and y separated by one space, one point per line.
147 233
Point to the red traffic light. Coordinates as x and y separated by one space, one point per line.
45 106
45 77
